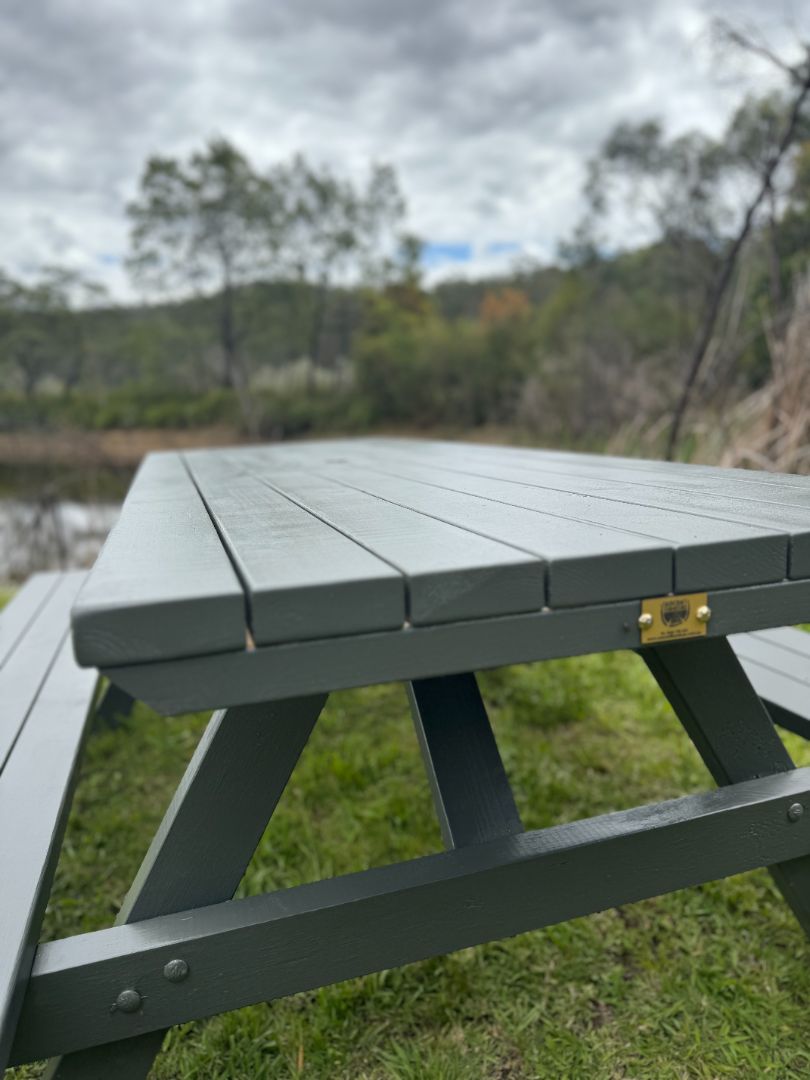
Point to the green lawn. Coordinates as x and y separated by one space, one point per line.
710 982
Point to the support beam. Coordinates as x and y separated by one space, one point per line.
266 947
205 842
788 720
731 729
114 704
471 792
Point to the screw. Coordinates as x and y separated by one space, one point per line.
645 620
795 811
703 613
176 970
128 1001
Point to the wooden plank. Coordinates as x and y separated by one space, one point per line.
777 689
207 838
266 947
782 481
584 563
35 790
709 553
792 662
783 509
163 584
471 791
451 573
24 673
789 638
779 668
303 578
280 671
22 609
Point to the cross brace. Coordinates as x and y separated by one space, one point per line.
244 951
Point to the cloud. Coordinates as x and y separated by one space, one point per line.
487 108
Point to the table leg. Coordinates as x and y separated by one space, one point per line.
114 703
205 842
471 792
732 731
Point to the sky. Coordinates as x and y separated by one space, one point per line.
488 109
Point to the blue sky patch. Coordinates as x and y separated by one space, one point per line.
436 254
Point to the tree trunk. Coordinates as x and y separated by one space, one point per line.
227 337
729 263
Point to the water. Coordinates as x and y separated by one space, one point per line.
51 534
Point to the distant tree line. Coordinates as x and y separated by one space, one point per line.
290 299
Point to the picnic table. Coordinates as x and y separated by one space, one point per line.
255 580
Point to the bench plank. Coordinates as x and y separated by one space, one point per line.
22 609
35 788
303 578
24 672
163 584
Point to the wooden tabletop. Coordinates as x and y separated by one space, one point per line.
217 551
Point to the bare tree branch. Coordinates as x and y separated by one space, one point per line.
730 261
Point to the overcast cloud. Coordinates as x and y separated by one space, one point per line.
488 109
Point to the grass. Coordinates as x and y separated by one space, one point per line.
707 983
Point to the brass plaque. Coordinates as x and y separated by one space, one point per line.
670 618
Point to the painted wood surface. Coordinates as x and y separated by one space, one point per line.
163 584
202 848
471 791
269 946
778 664
302 577
46 703
22 609
706 551
733 733
220 549
27 666
280 671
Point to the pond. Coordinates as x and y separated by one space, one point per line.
51 534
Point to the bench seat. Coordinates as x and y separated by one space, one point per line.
778 664
46 704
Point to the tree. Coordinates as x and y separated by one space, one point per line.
212 222
42 325
781 145
684 188
338 232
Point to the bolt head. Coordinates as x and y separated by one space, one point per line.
703 613
795 811
128 1001
176 970
645 620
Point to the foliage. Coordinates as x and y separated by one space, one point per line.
296 270
217 223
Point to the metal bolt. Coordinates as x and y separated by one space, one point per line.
176 970
795 811
703 613
645 620
128 1001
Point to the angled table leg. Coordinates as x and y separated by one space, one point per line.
115 702
471 792
732 731
204 843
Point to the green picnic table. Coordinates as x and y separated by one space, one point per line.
255 580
